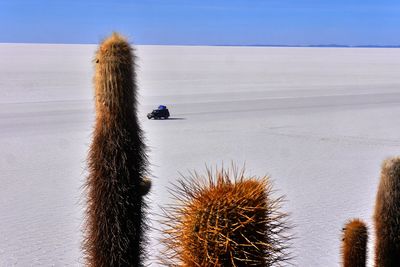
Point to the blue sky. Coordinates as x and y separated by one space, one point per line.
206 22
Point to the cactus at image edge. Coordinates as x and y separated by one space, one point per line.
387 215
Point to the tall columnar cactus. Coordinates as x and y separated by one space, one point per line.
354 244
117 163
225 220
387 215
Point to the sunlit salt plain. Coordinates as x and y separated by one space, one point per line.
319 121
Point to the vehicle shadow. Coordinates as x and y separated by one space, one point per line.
176 119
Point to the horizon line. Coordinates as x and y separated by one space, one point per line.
230 45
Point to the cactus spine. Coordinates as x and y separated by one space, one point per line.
387 215
225 220
117 163
354 244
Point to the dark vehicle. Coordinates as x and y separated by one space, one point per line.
160 113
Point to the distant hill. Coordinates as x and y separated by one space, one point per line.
322 45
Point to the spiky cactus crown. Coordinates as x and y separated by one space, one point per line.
354 244
225 220
115 89
387 215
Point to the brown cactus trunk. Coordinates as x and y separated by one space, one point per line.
117 163
387 215
354 244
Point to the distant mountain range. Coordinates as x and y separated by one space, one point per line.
322 45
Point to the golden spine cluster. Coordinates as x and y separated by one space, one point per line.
225 219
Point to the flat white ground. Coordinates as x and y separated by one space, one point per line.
319 121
